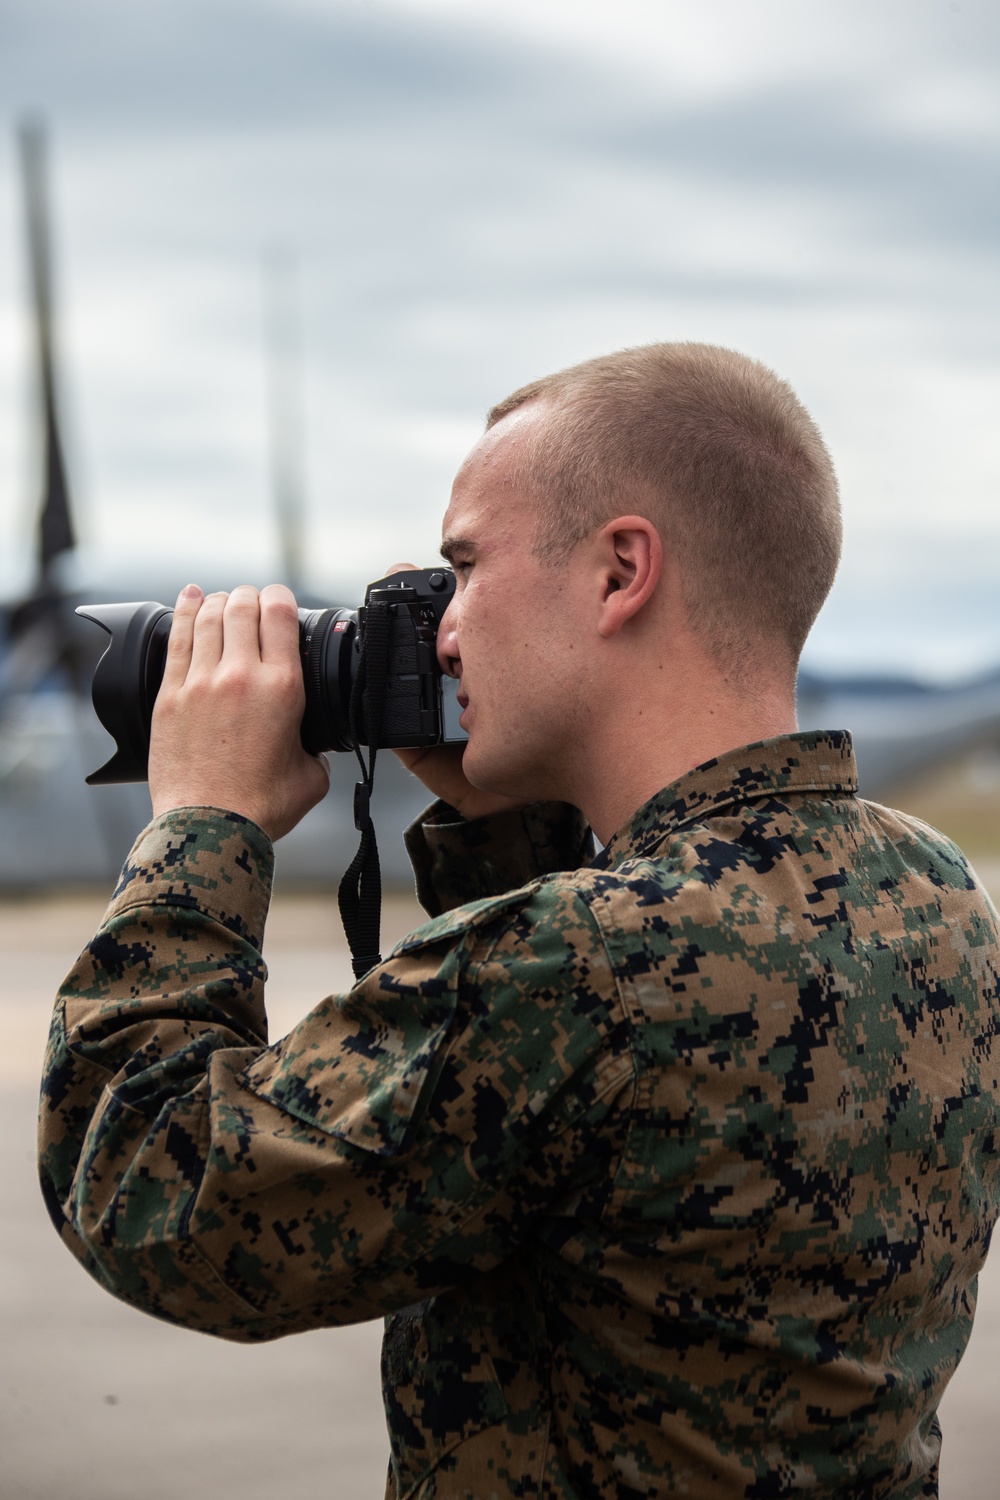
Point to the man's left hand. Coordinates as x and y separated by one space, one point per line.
225 730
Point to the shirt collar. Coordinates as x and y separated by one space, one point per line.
807 761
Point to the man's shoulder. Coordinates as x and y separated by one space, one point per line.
574 907
935 866
793 873
562 933
554 905
796 867
908 832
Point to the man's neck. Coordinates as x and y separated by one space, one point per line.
653 750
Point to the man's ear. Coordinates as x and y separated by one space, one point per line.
631 561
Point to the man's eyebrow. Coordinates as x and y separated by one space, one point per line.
452 545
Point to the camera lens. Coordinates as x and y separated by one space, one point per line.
328 647
128 676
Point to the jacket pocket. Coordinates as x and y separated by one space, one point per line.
361 1066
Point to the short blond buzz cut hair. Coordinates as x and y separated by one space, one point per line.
721 455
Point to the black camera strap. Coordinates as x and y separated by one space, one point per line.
360 894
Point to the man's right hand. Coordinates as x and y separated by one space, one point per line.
439 767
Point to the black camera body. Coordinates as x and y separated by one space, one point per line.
378 661
336 645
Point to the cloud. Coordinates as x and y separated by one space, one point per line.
476 194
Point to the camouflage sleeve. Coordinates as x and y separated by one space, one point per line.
456 859
401 1139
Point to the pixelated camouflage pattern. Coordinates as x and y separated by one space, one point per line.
456 861
674 1173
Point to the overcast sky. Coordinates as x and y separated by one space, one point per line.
474 195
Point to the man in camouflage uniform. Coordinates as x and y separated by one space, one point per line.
673 1168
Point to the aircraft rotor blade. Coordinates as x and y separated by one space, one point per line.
55 523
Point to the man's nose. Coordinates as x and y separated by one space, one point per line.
448 655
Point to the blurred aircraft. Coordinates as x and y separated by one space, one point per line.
902 726
56 831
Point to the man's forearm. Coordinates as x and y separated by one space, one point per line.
173 976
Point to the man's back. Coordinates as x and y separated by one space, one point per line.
769 1276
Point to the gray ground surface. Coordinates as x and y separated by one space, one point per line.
99 1403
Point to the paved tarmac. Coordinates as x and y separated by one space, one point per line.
98 1402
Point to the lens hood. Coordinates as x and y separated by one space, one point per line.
134 658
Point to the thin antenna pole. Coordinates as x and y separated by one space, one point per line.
286 422
55 522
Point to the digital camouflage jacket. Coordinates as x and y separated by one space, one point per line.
673 1172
